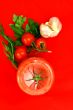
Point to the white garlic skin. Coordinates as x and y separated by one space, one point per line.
51 28
45 31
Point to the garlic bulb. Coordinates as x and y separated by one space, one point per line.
51 28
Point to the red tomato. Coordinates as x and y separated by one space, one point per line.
35 76
27 39
20 53
41 42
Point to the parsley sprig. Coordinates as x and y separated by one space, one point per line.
9 49
17 26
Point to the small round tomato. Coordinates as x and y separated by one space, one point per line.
35 76
27 39
20 53
41 43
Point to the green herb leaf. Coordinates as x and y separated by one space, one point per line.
9 49
27 29
33 28
31 22
1 29
15 17
17 26
18 20
18 31
5 36
13 62
18 42
6 46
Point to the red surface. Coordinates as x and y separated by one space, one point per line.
60 97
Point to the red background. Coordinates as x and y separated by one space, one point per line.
60 97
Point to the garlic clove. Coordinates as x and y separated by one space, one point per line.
45 31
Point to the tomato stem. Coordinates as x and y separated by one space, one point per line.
36 76
38 49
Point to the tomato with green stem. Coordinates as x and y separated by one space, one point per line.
41 43
27 39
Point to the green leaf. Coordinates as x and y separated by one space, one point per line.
17 35
1 29
18 20
6 47
27 29
18 31
30 21
17 27
9 49
18 42
33 27
3 34
13 62
15 17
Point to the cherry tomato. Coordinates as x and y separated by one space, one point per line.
27 39
20 53
35 76
41 43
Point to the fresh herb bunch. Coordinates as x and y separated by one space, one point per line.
9 49
18 30
17 26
